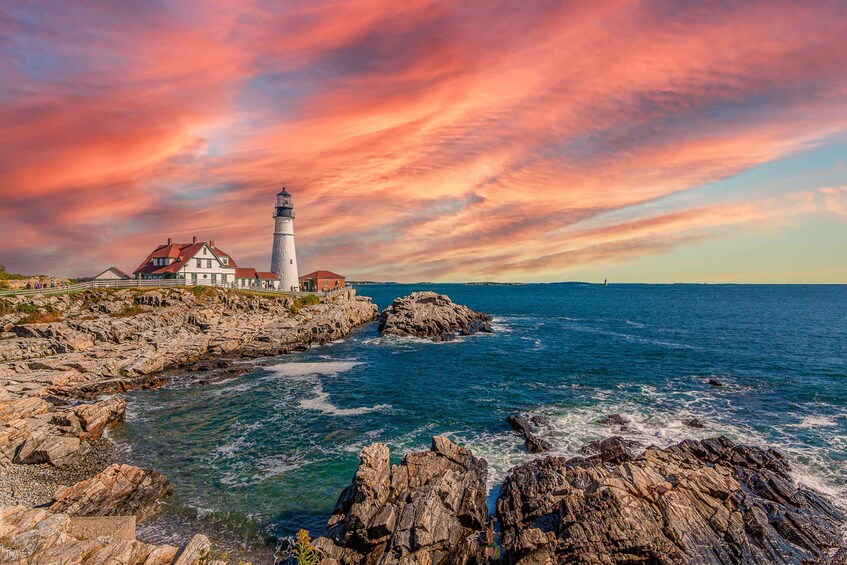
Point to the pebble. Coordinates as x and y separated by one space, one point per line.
34 485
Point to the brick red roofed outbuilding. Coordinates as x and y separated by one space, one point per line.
322 275
265 276
245 273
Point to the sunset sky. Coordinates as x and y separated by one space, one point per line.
454 141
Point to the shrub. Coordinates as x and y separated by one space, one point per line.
6 307
304 553
129 310
201 290
303 302
41 317
26 308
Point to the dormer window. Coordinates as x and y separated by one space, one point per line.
223 260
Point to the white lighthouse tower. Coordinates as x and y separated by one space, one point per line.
284 259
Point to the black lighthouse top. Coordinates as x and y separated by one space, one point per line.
284 207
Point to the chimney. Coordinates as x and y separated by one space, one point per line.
211 243
169 241
194 239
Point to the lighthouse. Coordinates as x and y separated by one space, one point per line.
284 259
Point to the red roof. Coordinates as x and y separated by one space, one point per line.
322 275
245 273
182 252
267 276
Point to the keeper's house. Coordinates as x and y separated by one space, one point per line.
200 263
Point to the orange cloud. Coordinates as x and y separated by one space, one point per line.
422 140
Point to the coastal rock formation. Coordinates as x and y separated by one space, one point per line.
38 536
105 341
36 430
119 490
705 502
612 450
429 509
532 442
431 316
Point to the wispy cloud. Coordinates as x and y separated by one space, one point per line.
421 140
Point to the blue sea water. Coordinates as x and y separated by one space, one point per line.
268 453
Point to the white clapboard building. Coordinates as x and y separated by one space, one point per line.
199 263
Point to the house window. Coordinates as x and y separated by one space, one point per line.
204 251
205 275
223 260
208 263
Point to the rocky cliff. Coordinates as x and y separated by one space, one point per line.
428 509
704 502
698 502
62 356
58 349
431 316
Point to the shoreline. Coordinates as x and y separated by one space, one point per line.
59 356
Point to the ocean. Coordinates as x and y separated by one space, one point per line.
253 459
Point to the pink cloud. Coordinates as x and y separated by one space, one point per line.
421 140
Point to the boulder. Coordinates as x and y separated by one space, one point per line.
119 490
34 535
694 423
429 509
613 420
431 316
704 502
533 443
715 383
57 450
612 450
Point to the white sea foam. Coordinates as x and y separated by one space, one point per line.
657 424
314 368
813 422
320 402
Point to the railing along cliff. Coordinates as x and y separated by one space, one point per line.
148 283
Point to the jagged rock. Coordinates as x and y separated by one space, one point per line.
431 316
196 551
695 423
429 509
532 442
613 420
119 490
42 448
37 536
40 431
715 383
703 502
95 418
612 450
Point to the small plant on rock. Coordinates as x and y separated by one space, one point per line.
304 553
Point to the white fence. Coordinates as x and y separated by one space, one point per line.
145 283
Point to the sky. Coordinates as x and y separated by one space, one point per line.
431 141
